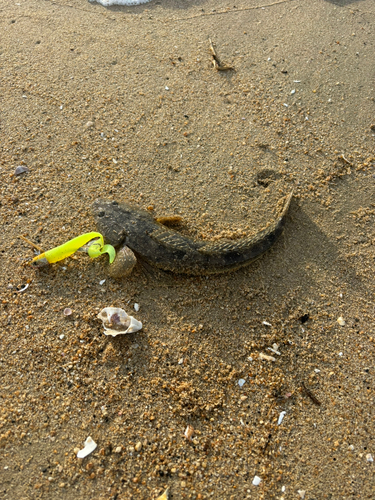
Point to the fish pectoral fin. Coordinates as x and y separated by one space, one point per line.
172 240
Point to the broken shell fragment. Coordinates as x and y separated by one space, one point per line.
164 496
257 480
189 431
117 322
341 321
266 357
20 170
90 446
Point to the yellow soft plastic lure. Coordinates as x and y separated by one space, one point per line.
96 249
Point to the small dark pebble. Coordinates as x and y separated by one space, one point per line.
304 318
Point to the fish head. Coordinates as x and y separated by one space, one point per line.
118 222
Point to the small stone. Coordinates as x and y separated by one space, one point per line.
138 446
302 493
89 124
241 382
118 449
67 311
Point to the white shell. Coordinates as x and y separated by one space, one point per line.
257 480
117 322
90 446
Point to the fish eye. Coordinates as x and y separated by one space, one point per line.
114 203
101 213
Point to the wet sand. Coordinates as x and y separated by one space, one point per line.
124 104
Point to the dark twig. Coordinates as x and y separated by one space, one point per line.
310 395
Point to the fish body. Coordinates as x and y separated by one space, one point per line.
164 248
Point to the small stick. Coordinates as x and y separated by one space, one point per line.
267 443
30 243
215 60
310 395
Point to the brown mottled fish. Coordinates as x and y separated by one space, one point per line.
140 236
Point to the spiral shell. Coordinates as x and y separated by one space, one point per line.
116 321
123 264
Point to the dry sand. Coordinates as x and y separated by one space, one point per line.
124 103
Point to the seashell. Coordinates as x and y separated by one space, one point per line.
117 322
123 264
257 480
90 446
20 170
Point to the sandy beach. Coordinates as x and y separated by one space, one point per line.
272 366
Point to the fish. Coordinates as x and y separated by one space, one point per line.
140 236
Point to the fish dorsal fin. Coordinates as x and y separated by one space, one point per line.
169 220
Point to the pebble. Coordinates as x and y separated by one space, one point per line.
138 446
241 382
136 307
